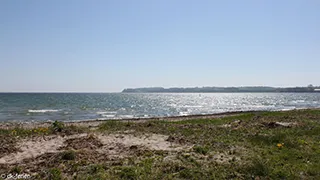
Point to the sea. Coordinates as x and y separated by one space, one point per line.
33 107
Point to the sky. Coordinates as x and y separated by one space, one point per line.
109 45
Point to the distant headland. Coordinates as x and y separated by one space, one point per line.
309 88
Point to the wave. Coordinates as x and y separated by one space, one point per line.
288 108
298 101
183 113
108 115
260 106
106 112
42 110
191 106
126 116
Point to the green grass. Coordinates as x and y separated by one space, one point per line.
299 157
54 174
201 149
56 128
244 149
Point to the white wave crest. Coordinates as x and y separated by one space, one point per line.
107 112
183 113
287 109
108 115
42 110
126 116
191 106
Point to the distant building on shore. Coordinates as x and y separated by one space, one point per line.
318 90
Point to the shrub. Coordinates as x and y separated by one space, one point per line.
68 155
54 174
201 149
58 126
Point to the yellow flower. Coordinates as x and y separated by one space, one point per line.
14 132
280 145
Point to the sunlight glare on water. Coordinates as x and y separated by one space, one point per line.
81 106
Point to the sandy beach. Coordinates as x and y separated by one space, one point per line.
225 145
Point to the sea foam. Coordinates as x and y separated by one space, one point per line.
183 113
41 110
108 115
107 112
126 116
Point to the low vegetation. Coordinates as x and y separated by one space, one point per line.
262 145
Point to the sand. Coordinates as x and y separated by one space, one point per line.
112 144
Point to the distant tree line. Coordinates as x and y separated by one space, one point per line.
309 88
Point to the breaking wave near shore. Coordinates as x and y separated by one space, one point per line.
86 106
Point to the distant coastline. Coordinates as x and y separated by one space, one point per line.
249 89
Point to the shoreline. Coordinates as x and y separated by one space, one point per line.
240 145
91 123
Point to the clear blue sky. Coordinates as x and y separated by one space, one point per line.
105 46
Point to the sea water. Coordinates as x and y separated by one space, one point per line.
84 106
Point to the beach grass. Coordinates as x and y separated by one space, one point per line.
255 145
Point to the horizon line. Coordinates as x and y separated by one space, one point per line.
97 92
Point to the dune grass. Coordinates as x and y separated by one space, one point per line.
246 146
260 151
